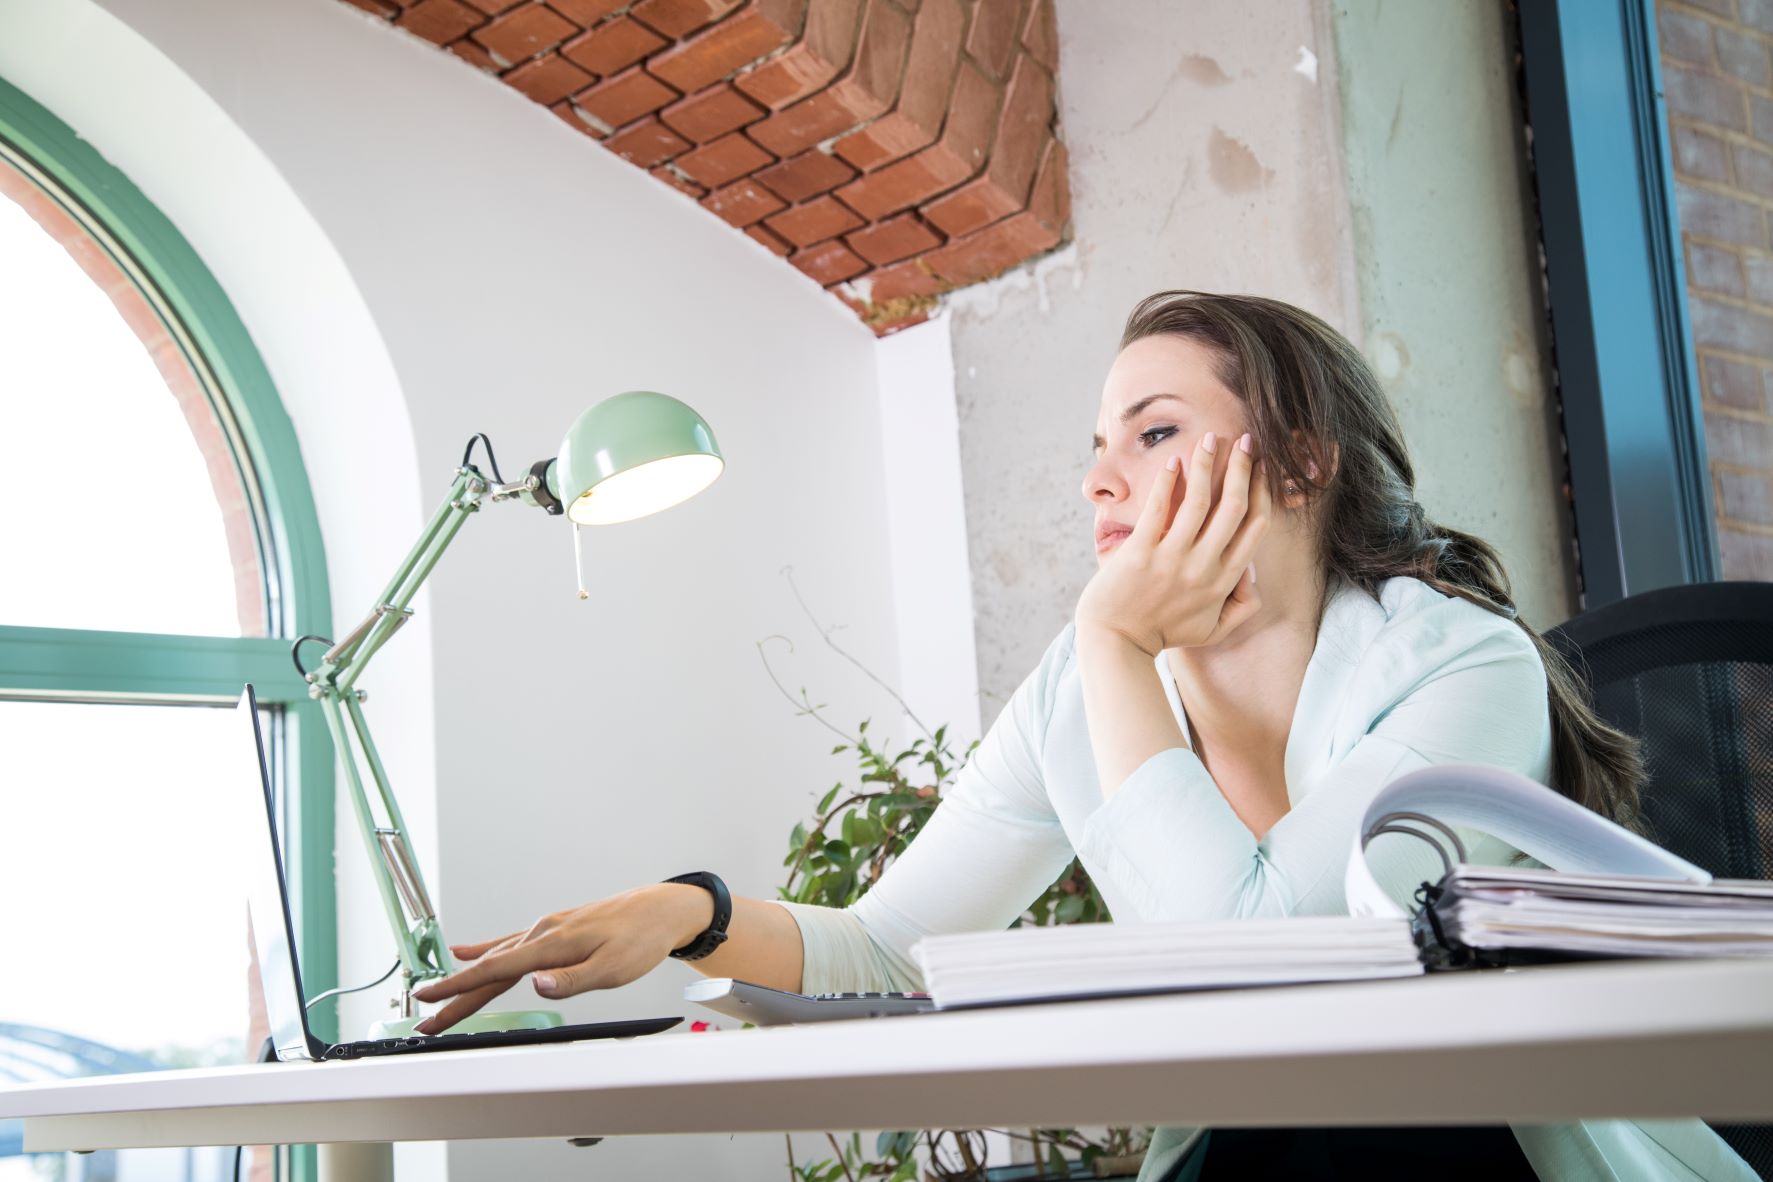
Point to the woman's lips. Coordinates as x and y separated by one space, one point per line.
1109 539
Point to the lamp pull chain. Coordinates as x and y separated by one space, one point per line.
579 560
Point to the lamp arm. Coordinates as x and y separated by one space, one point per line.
618 435
392 608
413 921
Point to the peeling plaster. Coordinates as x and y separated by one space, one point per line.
983 300
1390 357
1233 166
1198 67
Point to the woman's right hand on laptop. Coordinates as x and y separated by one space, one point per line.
597 946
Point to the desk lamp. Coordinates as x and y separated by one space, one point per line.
628 456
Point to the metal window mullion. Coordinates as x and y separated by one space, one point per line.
96 666
1627 380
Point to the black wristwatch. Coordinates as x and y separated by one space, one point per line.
714 935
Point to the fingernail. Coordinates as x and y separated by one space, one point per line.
545 981
1243 444
1252 574
1310 470
1172 464
1209 442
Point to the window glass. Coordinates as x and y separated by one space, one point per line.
121 834
125 509
128 394
121 830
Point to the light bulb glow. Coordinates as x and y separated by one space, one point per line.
646 489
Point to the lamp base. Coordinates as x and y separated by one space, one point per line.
473 1023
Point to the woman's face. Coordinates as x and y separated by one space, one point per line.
1161 396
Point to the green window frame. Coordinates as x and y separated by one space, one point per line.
130 667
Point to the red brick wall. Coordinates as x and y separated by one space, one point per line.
889 149
1718 78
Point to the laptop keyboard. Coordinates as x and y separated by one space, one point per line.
413 1044
870 996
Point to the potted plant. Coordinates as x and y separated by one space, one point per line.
834 857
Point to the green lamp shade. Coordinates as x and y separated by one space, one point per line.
633 454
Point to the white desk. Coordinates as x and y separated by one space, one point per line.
1601 1040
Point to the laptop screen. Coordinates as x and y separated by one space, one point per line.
268 895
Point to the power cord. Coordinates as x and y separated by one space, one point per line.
468 453
355 988
295 651
267 1052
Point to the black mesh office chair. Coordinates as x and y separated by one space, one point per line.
1689 671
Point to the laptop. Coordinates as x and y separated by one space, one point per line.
286 1004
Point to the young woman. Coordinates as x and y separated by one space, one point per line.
1275 631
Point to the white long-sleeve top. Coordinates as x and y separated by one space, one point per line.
1412 679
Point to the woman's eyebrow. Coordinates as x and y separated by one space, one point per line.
1127 415
1097 443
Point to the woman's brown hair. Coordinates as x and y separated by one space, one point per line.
1323 424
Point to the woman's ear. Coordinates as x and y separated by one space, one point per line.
1292 496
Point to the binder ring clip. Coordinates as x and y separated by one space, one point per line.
1393 823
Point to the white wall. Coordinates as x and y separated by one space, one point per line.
932 588
420 254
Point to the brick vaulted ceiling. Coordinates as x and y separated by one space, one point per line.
892 150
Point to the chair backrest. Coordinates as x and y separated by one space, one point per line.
1689 672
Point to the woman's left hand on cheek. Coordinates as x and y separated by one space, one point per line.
1186 581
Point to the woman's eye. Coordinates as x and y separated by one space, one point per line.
1152 436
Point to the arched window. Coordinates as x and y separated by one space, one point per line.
158 548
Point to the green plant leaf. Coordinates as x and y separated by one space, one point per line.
825 800
1056 1162
840 748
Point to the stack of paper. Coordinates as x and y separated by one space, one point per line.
1605 914
1101 960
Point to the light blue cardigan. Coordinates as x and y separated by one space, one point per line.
1413 679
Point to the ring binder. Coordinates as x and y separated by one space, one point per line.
1598 891
1437 952
1390 823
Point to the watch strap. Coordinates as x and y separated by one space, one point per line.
714 935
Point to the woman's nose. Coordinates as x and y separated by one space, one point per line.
1102 483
